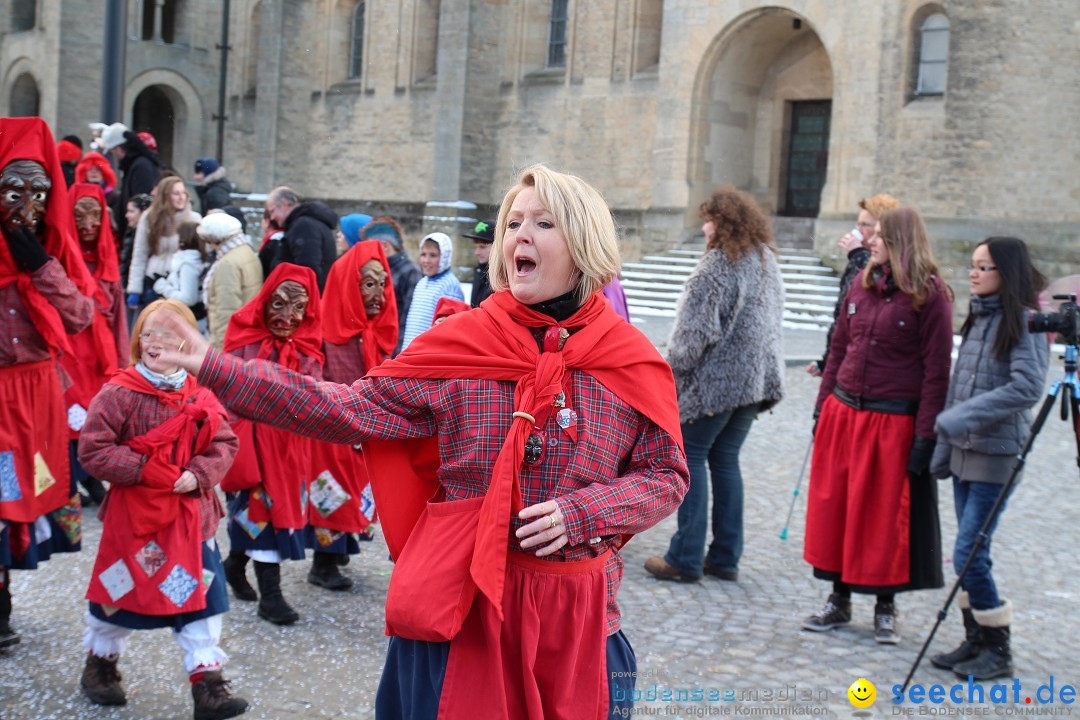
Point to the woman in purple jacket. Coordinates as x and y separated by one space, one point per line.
872 524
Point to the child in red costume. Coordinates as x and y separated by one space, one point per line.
270 477
164 444
360 331
100 350
45 293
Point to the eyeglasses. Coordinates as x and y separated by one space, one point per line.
981 268
162 337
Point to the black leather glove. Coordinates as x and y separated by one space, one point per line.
27 251
922 450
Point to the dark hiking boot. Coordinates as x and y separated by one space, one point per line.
324 573
213 701
968 649
101 681
885 623
835 613
658 567
235 574
95 489
272 605
994 659
8 636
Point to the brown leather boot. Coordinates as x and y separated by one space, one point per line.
101 681
213 701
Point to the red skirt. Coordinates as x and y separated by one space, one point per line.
337 499
858 516
34 473
546 661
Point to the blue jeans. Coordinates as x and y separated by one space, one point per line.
716 439
973 502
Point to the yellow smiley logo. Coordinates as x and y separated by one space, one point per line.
862 693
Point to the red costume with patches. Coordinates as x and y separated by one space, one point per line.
41 309
279 461
354 343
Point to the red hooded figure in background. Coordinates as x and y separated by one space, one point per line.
46 288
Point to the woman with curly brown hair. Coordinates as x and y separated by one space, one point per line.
157 239
727 357
871 518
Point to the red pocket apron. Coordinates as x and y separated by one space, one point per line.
35 477
156 574
547 660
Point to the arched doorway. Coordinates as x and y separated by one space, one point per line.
155 113
25 100
762 112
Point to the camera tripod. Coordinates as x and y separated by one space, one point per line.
1068 389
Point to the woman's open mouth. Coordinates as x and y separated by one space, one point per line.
524 265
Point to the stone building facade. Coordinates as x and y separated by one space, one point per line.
966 109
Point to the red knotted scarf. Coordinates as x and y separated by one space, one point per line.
494 342
168 448
343 305
30 139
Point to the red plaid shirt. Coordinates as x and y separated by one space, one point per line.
20 342
623 475
345 362
117 415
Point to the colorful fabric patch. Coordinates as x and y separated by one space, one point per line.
259 494
327 495
43 479
151 558
69 518
178 586
367 502
327 537
117 580
251 528
76 417
207 578
9 478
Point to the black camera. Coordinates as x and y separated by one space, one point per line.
1065 322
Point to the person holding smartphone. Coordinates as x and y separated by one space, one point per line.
857 246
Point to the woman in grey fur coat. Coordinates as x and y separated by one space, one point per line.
727 356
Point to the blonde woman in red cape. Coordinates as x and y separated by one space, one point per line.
513 454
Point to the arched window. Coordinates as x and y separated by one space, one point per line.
356 52
25 98
23 15
933 55
557 34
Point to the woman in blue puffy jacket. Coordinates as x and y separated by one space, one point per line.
999 375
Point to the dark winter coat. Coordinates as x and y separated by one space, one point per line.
856 261
405 274
214 192
988 407
884 348
142 171
309 239
726 348
481 287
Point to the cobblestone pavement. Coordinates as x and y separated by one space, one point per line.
710 637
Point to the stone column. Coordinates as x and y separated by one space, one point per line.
159 14
267 89
451 66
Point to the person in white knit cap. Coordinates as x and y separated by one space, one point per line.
235 276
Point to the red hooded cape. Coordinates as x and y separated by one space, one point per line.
343 306
494 342
284 463
95 159
94 358
29 138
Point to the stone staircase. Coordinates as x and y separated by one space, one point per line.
654 284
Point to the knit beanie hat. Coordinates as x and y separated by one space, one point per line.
351 225
219 227
383 229
207 165
113 136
